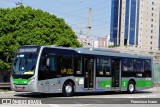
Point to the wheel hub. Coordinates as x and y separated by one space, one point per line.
131 87
68 89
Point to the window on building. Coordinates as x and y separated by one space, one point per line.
151 31
152 20
152 14
152 8
152 3
151 25
151 37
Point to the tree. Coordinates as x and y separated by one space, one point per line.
26 26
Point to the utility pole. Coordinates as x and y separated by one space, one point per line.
89 26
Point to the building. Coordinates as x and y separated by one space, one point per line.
136 23
103 42
89 42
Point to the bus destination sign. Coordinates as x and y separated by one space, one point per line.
23 50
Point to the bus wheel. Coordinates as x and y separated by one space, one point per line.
131 87
68 89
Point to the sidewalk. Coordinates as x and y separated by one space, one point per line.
2 91
6 92
156 85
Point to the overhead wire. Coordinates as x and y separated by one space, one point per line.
84 8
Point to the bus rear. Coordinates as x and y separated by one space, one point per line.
23 69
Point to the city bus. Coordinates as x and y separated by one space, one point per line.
52 69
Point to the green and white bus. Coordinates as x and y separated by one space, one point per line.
51 69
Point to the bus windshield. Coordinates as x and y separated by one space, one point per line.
24 64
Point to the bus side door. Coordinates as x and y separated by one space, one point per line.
116 73
89 72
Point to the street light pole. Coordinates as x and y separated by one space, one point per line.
89 26
19 3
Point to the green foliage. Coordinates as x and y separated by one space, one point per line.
26 26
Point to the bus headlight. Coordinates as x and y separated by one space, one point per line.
31 81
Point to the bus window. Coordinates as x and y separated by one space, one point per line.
106 66
66 65
127 64
52 63
130 64
103 67
147 65
99 67
47 66
138 65
124 64
42 65
78 65
48 63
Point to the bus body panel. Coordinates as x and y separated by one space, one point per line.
50 86
55 85
103 84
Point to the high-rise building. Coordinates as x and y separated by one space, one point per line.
135 22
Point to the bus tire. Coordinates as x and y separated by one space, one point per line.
68 89
131 87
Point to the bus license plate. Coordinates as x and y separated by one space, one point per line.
19 88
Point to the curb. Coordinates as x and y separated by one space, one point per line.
8 92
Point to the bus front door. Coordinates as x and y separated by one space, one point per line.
89 73
116 74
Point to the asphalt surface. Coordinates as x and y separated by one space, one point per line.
88 99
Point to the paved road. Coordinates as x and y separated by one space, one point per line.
149 93
89 99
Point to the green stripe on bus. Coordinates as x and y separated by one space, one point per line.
105 84
139 83
143 83
20 81
124 84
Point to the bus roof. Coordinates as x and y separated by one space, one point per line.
109 52
97 51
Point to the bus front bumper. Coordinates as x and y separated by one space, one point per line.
23 88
